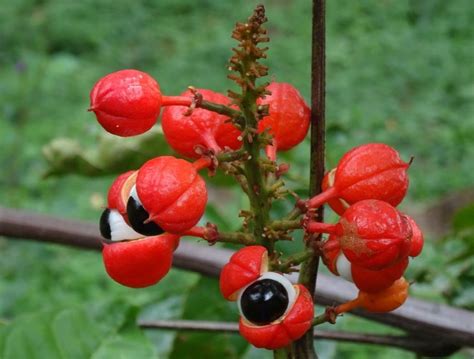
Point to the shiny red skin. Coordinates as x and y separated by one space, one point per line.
374 235
114 197
331 251
284 331
139 263
202 128
245 266
336 204
417 240
126 102
289 115
372 171
370 281
374 281
172 192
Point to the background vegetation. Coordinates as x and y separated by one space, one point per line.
399 71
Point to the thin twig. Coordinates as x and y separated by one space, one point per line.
405 342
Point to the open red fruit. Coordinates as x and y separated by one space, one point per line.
370 171
245 266
119 192
139 263
204 128
364 279
372 234
288 119
286 329
169 196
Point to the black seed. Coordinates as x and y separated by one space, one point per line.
264 301
105 224
137 215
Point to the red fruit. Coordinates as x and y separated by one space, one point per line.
126 102
119 192
366 280
381 302
338 205
245 266
371 233
374 281
139 263
289 116
286 329
202 128
171 192
417 240
371 171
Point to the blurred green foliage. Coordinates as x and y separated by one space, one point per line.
399 71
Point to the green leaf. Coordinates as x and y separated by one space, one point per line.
75 333
206 303
129 342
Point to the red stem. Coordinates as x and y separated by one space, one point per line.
319 227
176 101
348 306
196 232
203 162
322 198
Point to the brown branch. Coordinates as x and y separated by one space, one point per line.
304 347
411 343
437 323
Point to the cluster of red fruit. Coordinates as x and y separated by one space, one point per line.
150 208
372 241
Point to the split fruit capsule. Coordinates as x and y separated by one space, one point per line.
370 171
202 128
274 312
372 234
366 280
130 258
169 196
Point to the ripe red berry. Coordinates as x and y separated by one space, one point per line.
370 281
140 263
114 221
119 192
126 102
371 233
286 329
245 266
371 171
288 119
169 196
202 128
